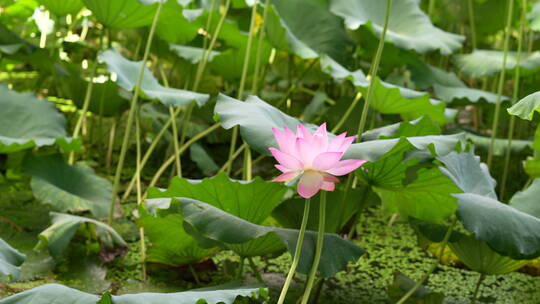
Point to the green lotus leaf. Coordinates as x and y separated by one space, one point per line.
500 144
68 188
105 99
504 228
534 17
522 200
57 237
317 33
526 107
213 225
127 72
62 7
10 260
171 20
121 14
27 122
204 161
481 63
56 293
169 243
480 258
407 187
408 28
236 198
190 53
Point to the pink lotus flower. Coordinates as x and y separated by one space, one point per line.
314 157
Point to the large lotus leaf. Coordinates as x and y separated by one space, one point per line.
317 33
215 225
408 28
504 228
256 119
57 237
169 243
500 144
482 63
10 260
480 258
522 200
62 7
68 188
171 20
507 230
191 53
127 72
468 173
105 99
121 14
236 198
410 104
388 98
526 107
453 94
419 127
406 187
56 293
27 122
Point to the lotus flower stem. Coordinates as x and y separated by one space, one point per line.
183 148
229 161
87 98
477 288
131 113
318 249
255 82
500 85
347 112
139 196
373 71
433 267
514 99
255 270
297 252
470 9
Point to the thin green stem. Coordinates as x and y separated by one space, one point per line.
209 22
139 195
500 86
433 266
194 274
247 176
347 112
131 113
327 99
472 25
87 98
373 71
229 161
477 288
297 252
202 64
514 99
175 142
255 270
182 149
240 273
318 248
255 161
149 152
255 82
232 147
112 137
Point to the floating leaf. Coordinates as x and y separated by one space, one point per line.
62 7
10 260
27 122
57 237
56 293
68 188
234 197
121 14
128 71
481 63
526 107
218 226
408 28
